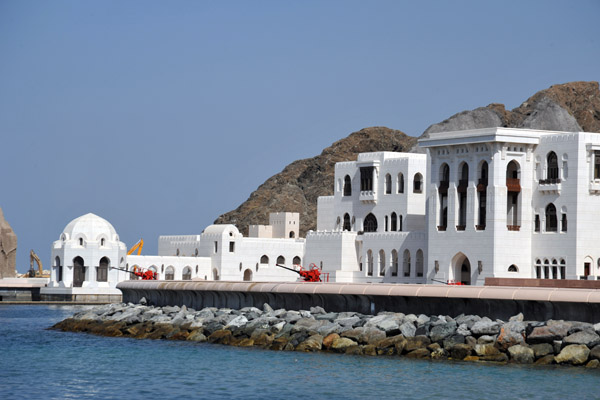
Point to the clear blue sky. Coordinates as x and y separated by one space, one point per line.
161 115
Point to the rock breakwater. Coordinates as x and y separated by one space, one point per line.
464 337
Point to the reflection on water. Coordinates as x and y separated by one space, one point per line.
38 363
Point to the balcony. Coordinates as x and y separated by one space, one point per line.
549 185
482 184
513 184
514 228
461 227
368 196
443 188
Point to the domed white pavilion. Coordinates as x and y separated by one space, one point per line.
83 260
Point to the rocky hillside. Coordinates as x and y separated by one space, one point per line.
571 106
297 187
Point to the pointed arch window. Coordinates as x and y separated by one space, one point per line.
406 263
552 167
347 186
347 226
551 223
400 183
370 224
394 222
418 183
388 184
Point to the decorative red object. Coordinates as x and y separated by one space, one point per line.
311 274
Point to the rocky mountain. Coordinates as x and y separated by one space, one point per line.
573 106
297 187
8 249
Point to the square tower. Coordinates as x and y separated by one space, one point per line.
286 225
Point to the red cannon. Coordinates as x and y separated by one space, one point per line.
312 274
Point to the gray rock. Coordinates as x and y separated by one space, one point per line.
408 329
453 340
276 328
595 353
348 321
589 338
542 349
327 328
575 354
87 316
485 328
440 332
548 115
374 321
577 326
317 310
305 314
481 117
205 313
554 330
326 316
237 322
511 333
468 320
247 310
171 309
521 354
485 339
463 330
267 308
597 327
390 326
143 301
422 319
292 316
516 318
308 325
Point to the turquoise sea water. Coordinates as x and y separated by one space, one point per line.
36 363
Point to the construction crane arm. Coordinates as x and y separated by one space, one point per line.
139 245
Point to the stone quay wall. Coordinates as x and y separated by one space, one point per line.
536 304
464 337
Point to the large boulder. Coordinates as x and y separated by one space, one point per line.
575 354
440 332
589 338
521 354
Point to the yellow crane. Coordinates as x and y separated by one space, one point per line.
40 272
139 245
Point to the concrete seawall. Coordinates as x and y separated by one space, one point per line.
495 302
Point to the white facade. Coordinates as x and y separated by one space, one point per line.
513 203
83 260
373 228
493 202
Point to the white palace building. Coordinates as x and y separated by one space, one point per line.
494 202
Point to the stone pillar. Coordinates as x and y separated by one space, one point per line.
8 249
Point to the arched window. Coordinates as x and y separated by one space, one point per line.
102 242
347 186
369 263
386 224
78 271
551 223
59 269
406 263
292 234
419 266
170 273
102 270
482 184
388 184
394 222
264 260
187 274
513 268
418 183
370 224
281 260
248 275
394 262
513 185
538 269
552 167
296 260
400 183
347 226
443 194
554 269
463 183
562 269
381 263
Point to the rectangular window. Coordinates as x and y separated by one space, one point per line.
538 272
563 224
597 164
216 247
366 178
537 223
231 247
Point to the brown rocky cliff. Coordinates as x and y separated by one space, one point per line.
297 187
8 249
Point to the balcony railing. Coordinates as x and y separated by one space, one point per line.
513 184
549 181
514 227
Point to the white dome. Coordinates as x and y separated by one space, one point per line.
90 226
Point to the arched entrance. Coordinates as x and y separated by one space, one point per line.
248 275
461 269
78 272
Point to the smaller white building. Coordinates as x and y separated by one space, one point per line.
83 259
